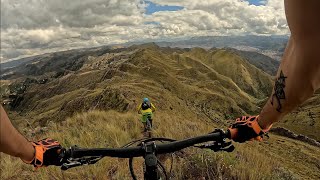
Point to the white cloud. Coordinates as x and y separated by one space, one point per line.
31 27
233 15
31 14
276 4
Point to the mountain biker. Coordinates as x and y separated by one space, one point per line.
298 76
146 108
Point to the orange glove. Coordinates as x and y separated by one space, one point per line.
246 128
46 153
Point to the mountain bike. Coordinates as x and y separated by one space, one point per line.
148 149
148 128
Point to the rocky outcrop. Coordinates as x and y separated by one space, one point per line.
287 133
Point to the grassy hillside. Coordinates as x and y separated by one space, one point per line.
250 79
275 159
261 61
306 119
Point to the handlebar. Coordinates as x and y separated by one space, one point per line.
74 152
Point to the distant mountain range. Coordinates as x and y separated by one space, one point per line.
275 43
272 46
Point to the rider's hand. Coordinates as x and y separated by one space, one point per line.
246 128
46 153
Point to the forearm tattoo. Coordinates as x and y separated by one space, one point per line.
279 91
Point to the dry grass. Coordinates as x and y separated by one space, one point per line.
98 129
113 129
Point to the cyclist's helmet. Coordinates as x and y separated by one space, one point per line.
145 100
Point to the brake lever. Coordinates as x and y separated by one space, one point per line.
218 146
80 162
224 146
66 166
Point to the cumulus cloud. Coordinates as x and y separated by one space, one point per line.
30 14
30 27
233 15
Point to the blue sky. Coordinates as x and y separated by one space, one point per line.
256 2
152 7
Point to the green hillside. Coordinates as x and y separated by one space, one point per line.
306 119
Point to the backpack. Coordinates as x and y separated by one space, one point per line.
145 105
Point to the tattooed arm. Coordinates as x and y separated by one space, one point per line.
298 76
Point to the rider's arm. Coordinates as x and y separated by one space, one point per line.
42 153
153 108
300 64
12 142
